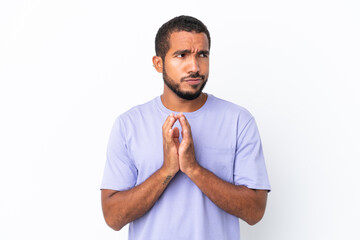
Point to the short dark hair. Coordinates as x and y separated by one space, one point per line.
177 24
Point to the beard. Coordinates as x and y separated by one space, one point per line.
175 87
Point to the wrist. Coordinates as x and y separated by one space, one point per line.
166 175
192 170
167 171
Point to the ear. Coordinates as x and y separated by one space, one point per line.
158 63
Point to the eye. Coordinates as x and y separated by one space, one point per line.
180 55
203 55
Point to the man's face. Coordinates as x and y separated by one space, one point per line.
186 64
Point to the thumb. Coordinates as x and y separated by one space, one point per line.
175 136
175 133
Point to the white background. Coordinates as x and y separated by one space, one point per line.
68 68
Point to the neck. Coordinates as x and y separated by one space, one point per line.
171 101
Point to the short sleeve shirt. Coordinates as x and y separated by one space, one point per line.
227 143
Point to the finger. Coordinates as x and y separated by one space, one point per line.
183 121
168 136
186 128
169 122
165 129
173 136
172 120
166 122
168 132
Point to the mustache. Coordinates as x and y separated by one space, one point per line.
193 75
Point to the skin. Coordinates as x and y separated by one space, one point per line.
188 54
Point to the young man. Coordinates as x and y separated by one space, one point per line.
185 165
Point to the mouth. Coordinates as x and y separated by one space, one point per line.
193 81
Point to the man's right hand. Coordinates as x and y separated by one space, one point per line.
171 145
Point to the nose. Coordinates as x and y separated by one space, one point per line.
193 65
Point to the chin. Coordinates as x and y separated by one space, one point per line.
188 95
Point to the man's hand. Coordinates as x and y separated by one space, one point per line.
170 146
187 160
178 156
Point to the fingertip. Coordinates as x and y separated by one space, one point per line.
168 119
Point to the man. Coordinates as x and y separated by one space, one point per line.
185 165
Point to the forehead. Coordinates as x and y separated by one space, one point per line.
188 40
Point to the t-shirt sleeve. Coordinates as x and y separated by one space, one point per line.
249 167
119 173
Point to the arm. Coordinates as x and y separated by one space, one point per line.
245 203
122 207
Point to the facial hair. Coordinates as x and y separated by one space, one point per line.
175 87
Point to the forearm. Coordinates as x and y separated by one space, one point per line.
240 201
122 207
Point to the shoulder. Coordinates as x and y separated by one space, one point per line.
137 112
134 118
229 109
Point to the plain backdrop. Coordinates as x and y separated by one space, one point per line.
68 68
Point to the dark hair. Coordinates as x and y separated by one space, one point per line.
177 24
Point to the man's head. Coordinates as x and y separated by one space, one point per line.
182 54
177 24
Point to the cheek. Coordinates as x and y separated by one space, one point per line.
176 64
173 67
205 67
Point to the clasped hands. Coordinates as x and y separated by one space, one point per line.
178 155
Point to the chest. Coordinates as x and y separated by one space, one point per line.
214 148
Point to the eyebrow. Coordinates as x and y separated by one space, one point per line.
187 51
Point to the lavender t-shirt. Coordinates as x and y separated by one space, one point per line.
226 142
